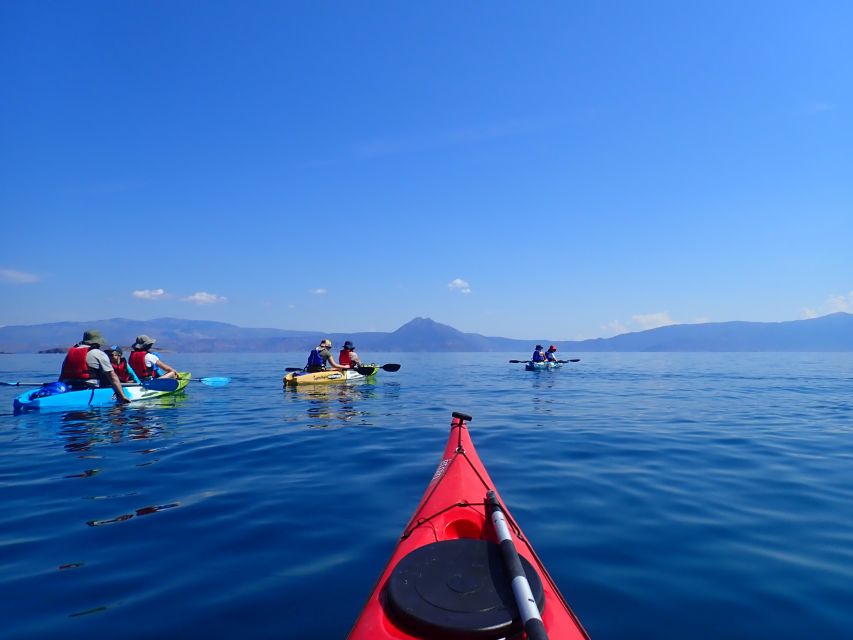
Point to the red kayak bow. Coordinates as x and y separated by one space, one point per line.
463 568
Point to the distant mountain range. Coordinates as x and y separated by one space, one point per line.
828 333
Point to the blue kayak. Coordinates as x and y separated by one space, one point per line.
541 366
97 397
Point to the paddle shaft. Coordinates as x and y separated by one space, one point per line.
41 384
560 361
530 617
212 382
133 374
384 367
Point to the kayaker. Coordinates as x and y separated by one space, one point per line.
348 357
120 365
538 354
87 366
321 358
551 355
145 364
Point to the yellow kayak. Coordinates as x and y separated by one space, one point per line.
328 376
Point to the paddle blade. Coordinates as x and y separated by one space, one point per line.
161 384
214 382
293 369
366 371
390 367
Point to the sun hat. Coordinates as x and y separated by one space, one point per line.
349 345
538 346
93 337
113 349
143 341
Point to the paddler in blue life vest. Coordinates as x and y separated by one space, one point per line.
87 366
538 354
551 354
348 357
146 364
321 358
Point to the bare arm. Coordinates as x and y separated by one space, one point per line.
170 372
115 383
335 365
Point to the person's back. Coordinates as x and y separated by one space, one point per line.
146 364
348 357
76 371
319 356
344 359
538 355
551 355
139 366
87 366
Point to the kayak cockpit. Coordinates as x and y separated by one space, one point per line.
457 589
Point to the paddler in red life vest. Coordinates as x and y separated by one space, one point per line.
348 357
120 365
145 364
321 358
87 366
551 354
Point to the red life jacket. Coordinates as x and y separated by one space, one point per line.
343 358
137 363
121 371
74 366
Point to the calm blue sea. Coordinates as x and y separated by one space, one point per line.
670 495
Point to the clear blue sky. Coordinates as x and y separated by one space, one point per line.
565 169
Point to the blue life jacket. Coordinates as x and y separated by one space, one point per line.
537 356
315 359
49 389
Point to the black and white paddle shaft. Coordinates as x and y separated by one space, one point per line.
370 369
530 617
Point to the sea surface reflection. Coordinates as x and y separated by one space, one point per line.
670 495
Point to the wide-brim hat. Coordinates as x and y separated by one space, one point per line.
143 341
94 337
349 345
